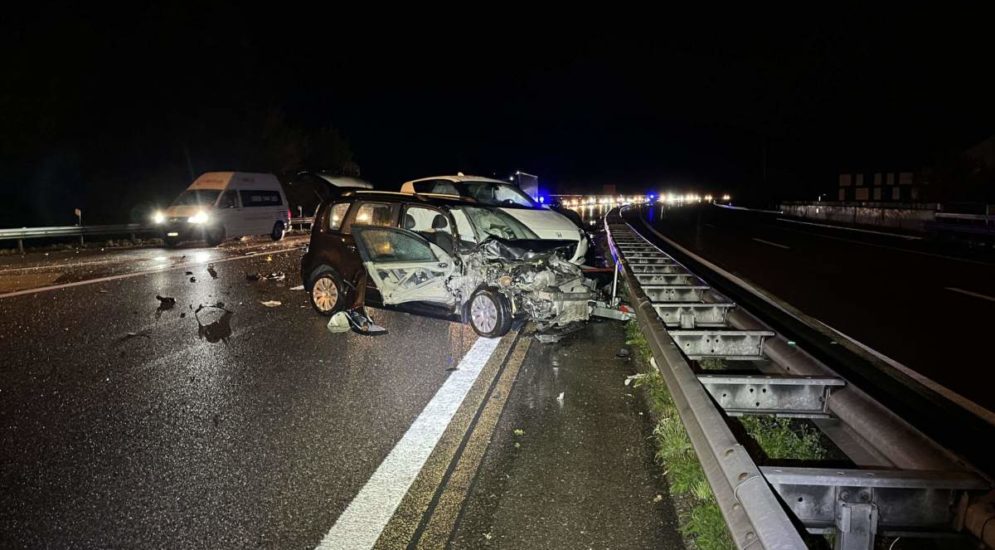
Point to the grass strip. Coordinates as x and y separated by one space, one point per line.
698 513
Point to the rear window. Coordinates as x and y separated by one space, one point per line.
336 215
374 213
441 187
260 198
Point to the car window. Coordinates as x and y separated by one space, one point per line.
441 187
464 226
495 223
423 220
229 199
336 215
260 198
374 213
497 194
384 245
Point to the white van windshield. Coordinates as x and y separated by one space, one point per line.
494 223
197 197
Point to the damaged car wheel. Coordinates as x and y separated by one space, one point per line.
326 293
489 313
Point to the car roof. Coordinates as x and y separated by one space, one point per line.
460 178
394 196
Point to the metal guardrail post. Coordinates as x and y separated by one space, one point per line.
751 510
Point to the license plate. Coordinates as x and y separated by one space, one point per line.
173 234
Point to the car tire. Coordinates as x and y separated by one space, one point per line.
215 235
489 313
324 292
279 229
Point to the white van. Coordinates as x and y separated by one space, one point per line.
225 205
545 223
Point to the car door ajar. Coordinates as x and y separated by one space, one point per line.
404 266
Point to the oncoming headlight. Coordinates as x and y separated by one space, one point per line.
158 218
199 217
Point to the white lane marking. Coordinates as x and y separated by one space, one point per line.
140 273
949 394
969 293
857 229
772 244
964 402
362 522
114 258
743 208
930 254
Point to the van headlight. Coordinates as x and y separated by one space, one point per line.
199 217
158 218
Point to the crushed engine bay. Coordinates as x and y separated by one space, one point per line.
535 278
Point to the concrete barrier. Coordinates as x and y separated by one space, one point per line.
909 217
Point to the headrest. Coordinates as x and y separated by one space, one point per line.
439 222
409 221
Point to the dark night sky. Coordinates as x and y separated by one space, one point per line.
636 99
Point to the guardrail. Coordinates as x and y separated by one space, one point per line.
902 483
82 231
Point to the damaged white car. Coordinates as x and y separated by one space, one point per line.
447 258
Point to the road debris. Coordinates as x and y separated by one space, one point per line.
193 279
210 270
519 432
271 303
629 379
358 320
623 353
218 330
251 276
165 302
276 276
298 287
339 323
189 273
559 398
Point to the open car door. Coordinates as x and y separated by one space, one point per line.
404 265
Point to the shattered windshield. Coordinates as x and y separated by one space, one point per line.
197 197
489 222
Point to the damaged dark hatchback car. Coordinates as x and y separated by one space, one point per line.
441 257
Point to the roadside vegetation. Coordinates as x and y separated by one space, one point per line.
701 521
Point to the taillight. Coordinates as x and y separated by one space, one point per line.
289 216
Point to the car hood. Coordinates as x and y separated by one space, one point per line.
545 223
524 249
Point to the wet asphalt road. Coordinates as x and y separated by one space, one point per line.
926 307
223 423
579 472
121 426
